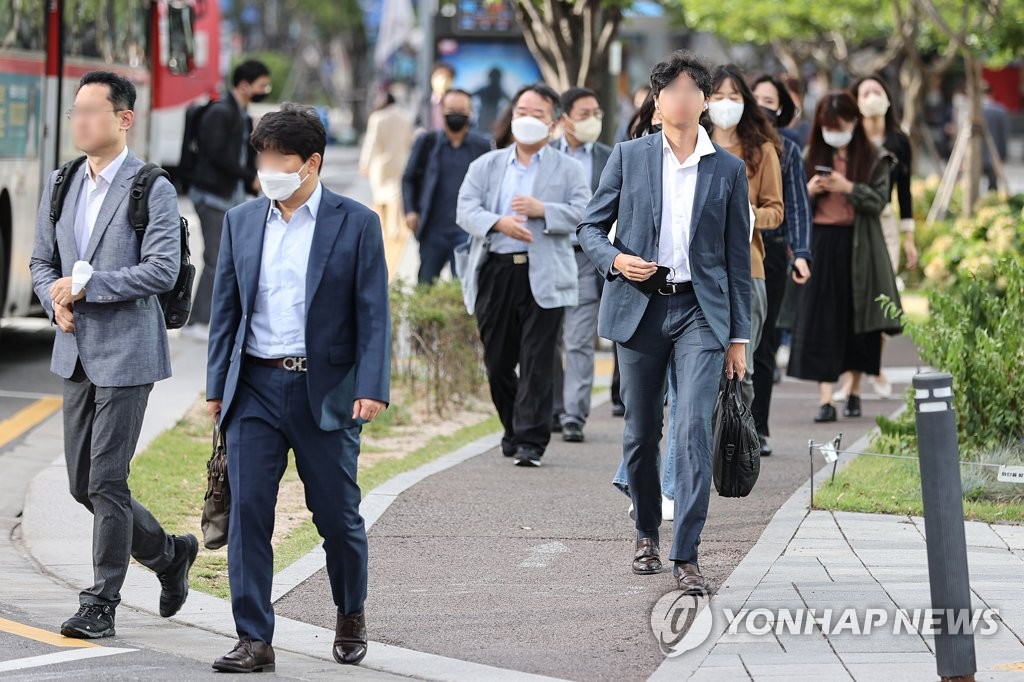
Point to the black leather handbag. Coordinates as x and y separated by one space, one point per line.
736 449
218 495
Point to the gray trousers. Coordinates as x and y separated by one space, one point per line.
211 219
574 385
758 313
101 430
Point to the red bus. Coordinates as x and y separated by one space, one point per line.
168 48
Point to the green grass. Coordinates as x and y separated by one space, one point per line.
169 478
893 486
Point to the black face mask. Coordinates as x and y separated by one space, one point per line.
771 115
258 97
456 122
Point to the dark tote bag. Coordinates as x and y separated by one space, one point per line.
218 495
736 449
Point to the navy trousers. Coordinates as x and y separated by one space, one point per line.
271 415
674 338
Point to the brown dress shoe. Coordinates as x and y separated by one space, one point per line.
689 579
248 656
647 559
350 639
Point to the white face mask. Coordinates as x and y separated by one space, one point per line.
279 186
725 113
530 130
874 104
587 130
837 138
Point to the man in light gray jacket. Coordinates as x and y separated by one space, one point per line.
111 345
520 205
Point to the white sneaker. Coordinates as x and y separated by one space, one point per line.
196 332
782 357
668 508
631 511
882 386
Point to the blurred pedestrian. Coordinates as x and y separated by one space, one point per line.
389 134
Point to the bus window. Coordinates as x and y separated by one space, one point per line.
21 26
180 39
114 31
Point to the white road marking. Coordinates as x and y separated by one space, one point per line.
60 657
541 555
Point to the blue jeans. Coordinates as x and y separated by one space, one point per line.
668 484
435 252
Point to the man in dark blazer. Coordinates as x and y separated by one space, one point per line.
299 358
581 122
431 181
677 299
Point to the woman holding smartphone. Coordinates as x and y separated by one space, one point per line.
840 322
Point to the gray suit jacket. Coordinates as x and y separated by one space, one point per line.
119 334
630 193
563 188
600 152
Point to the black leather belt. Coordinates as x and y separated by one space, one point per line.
514 258
680 288
292 364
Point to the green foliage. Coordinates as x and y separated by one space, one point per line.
437 347
974 332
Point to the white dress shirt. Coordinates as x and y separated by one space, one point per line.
90 199
278 326
678 187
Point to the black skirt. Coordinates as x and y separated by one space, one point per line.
824 345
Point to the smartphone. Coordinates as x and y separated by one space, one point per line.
823 170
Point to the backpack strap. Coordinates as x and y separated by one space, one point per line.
138 196
61 186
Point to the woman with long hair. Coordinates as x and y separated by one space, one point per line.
840 321
737 124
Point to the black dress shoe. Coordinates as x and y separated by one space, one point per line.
766 448
91 622
528 457
647 559
572 432
248 656
618 410
689 579
826 413
174 581
852 408
556 425
350 639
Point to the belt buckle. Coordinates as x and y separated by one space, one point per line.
667 290
294 364
519 259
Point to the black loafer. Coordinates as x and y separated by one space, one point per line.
91 622
689 579
350 639
826 413
766 448
174 581
852 408
647 559
248 656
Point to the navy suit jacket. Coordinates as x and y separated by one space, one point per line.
630 193
348 322
422 171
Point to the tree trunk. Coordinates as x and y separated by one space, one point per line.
971 175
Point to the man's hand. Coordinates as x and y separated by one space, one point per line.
412 220
213 407
801 271
366 409
634 268
514 226
64 317
60 292
736 361
910 248
528 206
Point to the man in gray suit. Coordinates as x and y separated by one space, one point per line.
581 121
111 345
677 300
519 205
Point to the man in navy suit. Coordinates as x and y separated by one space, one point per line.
677 300
299 358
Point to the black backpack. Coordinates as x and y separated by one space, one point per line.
176 303
190 144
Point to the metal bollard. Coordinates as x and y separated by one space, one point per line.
942 494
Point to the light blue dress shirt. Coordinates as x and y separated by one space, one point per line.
518 179
278 326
